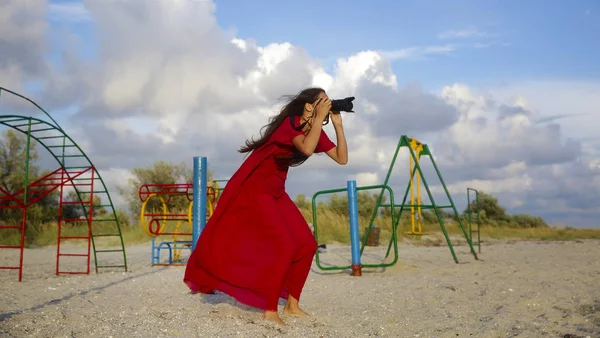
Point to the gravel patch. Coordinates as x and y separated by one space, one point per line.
522 289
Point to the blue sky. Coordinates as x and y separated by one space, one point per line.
546 39
501 40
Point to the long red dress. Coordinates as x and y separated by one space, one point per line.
256 247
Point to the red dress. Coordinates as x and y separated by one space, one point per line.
256 247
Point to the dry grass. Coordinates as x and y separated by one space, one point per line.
331 227
334 228
47 235
541 233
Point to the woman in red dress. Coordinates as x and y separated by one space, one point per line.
257 246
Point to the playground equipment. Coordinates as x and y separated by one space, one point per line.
159 220
415 180
354 236
423 150
75 171
162 222
470 208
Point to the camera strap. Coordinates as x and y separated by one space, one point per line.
305 122
297 128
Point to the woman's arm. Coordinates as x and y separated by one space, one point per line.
307 144
339 153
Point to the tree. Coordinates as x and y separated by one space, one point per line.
302 202
366 203
489 208
491 212
81 208
13 154
160 173
527 221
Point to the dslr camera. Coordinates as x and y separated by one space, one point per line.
341 105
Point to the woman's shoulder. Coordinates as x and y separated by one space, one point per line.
286 130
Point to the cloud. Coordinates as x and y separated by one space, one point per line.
480 39
557 117
467 33
168 83
409 110
417 52
481 45
577 99
23 42
427 52
480 141
531 167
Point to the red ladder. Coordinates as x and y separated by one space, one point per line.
82 188
37 190
22 199
20 246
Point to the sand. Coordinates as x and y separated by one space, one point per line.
520 289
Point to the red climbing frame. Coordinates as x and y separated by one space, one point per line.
169 191
39 189
166 189
6 200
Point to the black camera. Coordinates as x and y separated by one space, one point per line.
343 105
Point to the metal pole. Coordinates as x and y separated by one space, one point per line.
354 236
200 187
26 180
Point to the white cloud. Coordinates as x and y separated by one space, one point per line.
467 33
489 134
364 179
23 44
418 52
170 84
515 184
572 103
473 38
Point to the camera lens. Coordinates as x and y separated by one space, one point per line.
343 104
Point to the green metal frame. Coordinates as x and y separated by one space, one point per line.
59 152
393 240
404 141
469 212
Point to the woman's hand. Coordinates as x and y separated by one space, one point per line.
323 109
336 118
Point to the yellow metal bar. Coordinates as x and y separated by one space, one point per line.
412 198
420 224
416 218
143 212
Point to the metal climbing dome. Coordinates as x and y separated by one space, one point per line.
75 172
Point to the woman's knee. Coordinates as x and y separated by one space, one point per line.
286 245
308 246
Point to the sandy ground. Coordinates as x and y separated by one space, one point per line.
523 289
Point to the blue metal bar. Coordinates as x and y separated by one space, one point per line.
153 257
354 235
200 188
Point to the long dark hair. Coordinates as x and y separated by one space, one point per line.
295 107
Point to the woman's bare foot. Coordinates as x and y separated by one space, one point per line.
296 312
274 317
292 308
